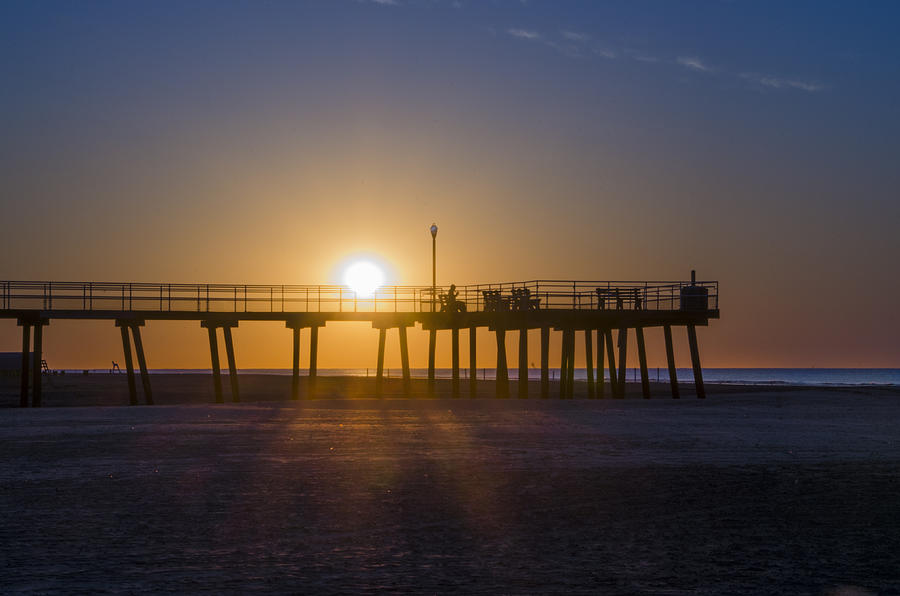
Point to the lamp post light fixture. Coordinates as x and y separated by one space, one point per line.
434 230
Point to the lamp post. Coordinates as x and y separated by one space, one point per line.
434 229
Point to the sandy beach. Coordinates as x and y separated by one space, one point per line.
752 491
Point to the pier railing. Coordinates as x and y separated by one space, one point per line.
223 298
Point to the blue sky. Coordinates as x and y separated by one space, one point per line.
267 141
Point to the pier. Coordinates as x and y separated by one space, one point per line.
607 311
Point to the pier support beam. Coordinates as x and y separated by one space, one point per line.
670 359
404 359
142 363
379 374
313 360
502 371
26 361
642 358
611 358
695 361
32 331
601 389
473 362
454 348
623 352
232 366
545 362
564 364
295 363
432 345
129 364
214 360
589 361
570 381
523 363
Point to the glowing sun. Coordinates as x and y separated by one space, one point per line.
363 277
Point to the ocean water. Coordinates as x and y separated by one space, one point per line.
825 377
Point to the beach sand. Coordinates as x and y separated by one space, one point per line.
752 491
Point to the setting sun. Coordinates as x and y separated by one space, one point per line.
363 277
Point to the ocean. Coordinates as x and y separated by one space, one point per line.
823 377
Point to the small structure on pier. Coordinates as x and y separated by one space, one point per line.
609 311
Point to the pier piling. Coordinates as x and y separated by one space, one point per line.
695 362
600 363
589 362
523 363
545 362
623 352
232 367
642 358
473 363
26 357
502 371
670 359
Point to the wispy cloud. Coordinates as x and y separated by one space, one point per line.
780 83
524 34
693 63
640 56
575 36
384 2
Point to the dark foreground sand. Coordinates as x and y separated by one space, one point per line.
748 492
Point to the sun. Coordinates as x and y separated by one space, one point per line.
363 277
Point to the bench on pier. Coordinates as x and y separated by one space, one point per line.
520 300
618 297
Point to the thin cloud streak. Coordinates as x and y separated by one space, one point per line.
693 63
524 34
780 83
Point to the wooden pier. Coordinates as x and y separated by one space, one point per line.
591 308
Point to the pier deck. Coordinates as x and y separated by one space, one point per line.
600 307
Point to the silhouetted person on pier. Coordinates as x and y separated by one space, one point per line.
451 304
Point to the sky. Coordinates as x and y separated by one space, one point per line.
272 142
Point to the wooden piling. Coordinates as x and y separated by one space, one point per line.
523 363
26 357
36 365
502 371
295 363
313 360
695 362
545 362
142 363
589 362
601 384
379 374
129 364
232 366
670 359
570 381
473 362
404 359
623 352
432 345
563 364
642 358
454 349
611 362
214 358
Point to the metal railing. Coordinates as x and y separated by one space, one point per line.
223 298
